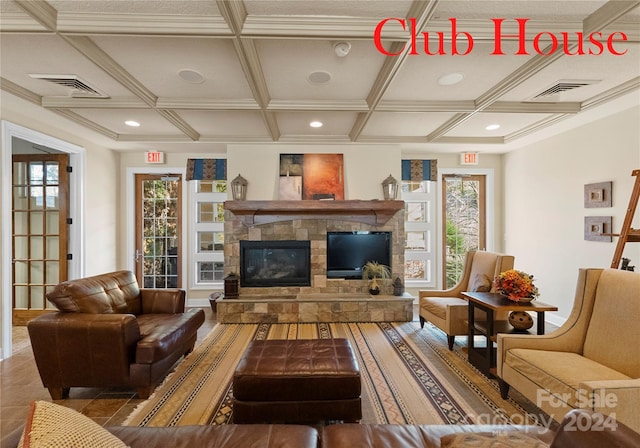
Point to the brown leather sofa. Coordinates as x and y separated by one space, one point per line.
580 428
108 332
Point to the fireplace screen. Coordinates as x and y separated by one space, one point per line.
275 263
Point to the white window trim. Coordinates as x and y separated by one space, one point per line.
432 199
194 226
489 174
130 202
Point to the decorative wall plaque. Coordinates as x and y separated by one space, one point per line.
596 226
597 195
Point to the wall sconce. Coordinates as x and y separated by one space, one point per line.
239 188
390 188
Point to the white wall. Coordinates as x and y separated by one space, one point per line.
544 206
365 167
93 202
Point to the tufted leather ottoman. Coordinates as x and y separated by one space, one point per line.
297 381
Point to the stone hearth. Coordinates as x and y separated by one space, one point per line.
316 308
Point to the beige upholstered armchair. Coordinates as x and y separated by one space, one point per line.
447 309
592 361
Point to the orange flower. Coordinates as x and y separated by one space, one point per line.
515 285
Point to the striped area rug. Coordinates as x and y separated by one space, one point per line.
408 377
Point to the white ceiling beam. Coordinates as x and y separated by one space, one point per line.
422 11
41 11
235 15
86 123
178 122
608 14
98 56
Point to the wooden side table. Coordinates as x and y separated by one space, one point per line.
484 358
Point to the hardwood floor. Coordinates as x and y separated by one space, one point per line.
20 384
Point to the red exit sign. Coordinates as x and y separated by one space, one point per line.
155 157
469 158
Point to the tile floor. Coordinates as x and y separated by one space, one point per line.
20 384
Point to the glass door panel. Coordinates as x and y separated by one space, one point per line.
39 234
158 202
464 222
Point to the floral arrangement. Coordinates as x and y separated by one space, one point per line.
516 285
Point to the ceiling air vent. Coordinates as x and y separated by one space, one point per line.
553 93
79 88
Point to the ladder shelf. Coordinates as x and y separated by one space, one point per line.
627 234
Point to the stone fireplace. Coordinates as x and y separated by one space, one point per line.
251 223
290 222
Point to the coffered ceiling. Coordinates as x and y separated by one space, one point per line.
199 74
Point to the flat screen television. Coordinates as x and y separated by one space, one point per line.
347 252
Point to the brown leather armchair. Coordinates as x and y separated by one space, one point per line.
108 332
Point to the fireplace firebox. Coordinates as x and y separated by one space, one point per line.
275 263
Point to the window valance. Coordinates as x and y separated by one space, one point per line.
206 169
419 170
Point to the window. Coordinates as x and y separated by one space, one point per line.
463 199
419 255
208 242
210 272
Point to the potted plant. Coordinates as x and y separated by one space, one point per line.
372 271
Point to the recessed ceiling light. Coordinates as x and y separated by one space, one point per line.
133 124
450 79
492 127
319 77
191 76
316 124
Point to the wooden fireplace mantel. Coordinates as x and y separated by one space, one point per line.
374 212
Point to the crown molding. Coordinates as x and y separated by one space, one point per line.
537 126
425 106
611 94
293 138
20 92
206 104
316 27
12 21
153 138
471 140
65 102
234 139
145 24
322 105
516 107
